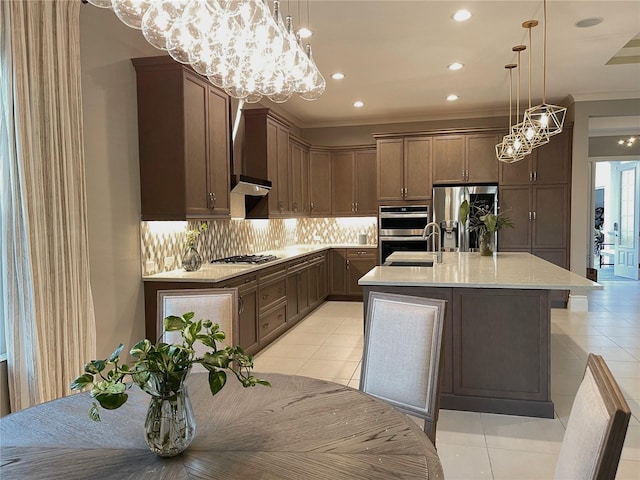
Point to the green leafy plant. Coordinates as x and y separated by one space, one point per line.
485 222
192 235
107 377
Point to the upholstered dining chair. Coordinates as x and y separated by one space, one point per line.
597 427
220 305
402 354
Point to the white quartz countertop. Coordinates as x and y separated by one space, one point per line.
218 272
471 270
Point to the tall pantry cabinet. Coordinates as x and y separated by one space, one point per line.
535 194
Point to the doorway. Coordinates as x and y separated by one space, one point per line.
616 220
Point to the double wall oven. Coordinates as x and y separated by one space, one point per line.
400 229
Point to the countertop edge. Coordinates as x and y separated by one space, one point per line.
284 255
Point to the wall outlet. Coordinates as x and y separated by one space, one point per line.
149 267
316 238
169 262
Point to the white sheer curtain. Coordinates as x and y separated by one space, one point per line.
47 306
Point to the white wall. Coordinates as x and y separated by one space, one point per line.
581 175
112 174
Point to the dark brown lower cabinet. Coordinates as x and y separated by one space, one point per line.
496 349
346 267
318 289
298 301
247 311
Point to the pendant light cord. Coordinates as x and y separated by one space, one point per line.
510 95
544 55
530 55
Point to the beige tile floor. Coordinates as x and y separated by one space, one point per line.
328 345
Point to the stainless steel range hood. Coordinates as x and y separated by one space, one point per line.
245 185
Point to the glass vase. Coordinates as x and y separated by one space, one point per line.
191 260
170 424
486 245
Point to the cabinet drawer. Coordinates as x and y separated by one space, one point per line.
241 283
272 320
297 266
272 293
369 253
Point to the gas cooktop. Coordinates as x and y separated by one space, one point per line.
256 259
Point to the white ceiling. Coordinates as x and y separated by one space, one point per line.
394 55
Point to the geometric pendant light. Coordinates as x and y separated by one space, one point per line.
534 132
548 119
517 138
507 151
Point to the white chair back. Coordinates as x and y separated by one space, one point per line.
402 353
597 427
220 305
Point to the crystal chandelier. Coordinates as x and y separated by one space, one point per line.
239 45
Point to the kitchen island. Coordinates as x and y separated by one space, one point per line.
496 344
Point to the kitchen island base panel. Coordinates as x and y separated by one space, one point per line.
496 351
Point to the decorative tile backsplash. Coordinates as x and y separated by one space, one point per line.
223 238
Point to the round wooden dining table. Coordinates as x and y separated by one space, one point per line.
299 428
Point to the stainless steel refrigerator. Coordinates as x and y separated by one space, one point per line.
455 236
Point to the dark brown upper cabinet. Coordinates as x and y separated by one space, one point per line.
319 182
266 156
404 169
469 158
184 142
353 182
547 164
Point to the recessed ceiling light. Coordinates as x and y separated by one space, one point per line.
304 32
589 22
455 66
452 97
461 15
337 76
358 104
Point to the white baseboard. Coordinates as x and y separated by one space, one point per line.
578 303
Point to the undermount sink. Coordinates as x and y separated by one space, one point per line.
410 263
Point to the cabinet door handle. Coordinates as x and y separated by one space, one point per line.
212 200
530 216
347 264
402 192
531 176
356 204
295 206
240 305
534 215
280 205
535 176
311 207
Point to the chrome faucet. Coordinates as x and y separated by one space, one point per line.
436 234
